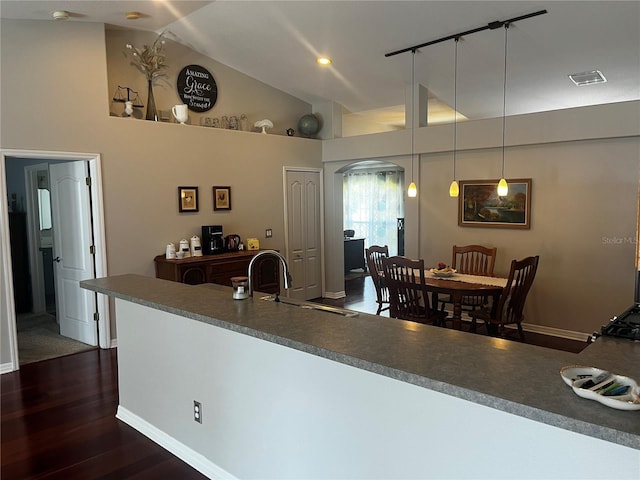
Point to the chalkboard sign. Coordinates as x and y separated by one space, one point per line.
197 88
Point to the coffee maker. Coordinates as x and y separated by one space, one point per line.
212 241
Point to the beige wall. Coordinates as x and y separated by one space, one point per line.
56 97
584 165
583 199
237 93
55 94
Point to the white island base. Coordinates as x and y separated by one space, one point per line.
269 411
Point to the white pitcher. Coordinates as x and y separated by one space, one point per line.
181 113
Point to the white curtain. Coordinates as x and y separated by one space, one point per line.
373 202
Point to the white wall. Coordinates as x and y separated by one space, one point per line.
269 411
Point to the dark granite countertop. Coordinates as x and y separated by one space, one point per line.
509 376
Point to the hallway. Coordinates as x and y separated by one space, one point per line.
39 339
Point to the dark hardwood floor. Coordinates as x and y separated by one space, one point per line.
361 296
58 422
58 416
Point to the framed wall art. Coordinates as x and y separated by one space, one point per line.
480 206
188 199
222 198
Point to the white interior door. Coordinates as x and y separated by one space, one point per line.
72 238
34 234
304 233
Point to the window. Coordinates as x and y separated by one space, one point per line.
372 203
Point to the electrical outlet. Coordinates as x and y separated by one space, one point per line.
268 233
197 411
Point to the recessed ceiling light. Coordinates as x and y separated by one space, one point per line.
61 15
132 15
324 60
587 78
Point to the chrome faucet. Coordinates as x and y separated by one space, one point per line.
288 281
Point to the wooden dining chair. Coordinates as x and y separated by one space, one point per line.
472 260
408 296
374 255
510 307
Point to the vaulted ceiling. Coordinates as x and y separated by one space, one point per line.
277 42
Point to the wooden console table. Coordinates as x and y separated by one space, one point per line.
220 268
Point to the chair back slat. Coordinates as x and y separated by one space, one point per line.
408 296
511 305
374 255
474 259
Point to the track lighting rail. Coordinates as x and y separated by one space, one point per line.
490 26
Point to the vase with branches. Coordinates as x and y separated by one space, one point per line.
150 61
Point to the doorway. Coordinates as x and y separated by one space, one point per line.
373 207
39 230
93 208
372 213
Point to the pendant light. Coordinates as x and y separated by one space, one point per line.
502 184
413 190
454 190
503 187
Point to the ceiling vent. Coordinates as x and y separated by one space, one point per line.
587 78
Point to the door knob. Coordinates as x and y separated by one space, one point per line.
57 259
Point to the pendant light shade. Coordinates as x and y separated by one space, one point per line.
454 190
503 187
412 191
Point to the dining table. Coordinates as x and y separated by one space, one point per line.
459 285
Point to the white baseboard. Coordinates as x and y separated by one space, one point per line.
180 450
556 332
6 368
335 295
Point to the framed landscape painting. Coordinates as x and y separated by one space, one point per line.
480 206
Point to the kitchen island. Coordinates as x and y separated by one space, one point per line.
288 392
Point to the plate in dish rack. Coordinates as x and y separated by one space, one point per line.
615 391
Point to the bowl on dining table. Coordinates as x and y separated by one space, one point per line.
443 272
